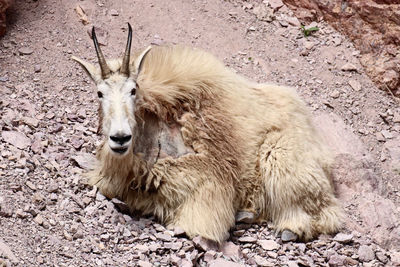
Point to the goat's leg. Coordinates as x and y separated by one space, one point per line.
194 198
297 190
104 184
208 212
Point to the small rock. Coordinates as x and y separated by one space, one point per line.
176 245
247 6
283 23
25 51
335 94
57 128
53 187
260 261
39 260
178 231
67 236
301 247
92 193
105 237
288 235
275 4
175 259
39 219
163 237
365 253
6 211
37 68
204 244
311 25
21 214
292 264
229 249
209 256
142 248
348 67
100 197
387 134
17 139
185 263
268 244
154 247
30 185
114 12
355 85
144 264
79 234
84 160
350 261
247 239
272 254
337 40
32 122
379 136
343 238
293 21
395 258
264 13
244 217
86 200
38 198
309 45
381 256
396 117
336 260
77 142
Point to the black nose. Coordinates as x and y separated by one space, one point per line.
121 139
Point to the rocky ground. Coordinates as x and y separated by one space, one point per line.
48 123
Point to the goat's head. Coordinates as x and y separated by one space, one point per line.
116 89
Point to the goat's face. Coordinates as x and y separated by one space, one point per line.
117 97
116 89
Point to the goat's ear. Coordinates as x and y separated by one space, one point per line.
140 59
90 69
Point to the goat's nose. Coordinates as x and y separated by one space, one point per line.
121 139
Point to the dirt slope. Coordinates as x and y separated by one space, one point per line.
48 216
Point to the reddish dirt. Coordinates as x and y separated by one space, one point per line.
48 123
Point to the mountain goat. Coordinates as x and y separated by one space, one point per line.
192 143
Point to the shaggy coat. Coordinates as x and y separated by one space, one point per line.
247 147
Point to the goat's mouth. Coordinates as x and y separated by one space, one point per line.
120 150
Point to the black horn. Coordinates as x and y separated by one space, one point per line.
125 62
105 70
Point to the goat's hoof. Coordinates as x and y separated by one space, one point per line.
288 235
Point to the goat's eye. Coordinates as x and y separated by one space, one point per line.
99 94
133 91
